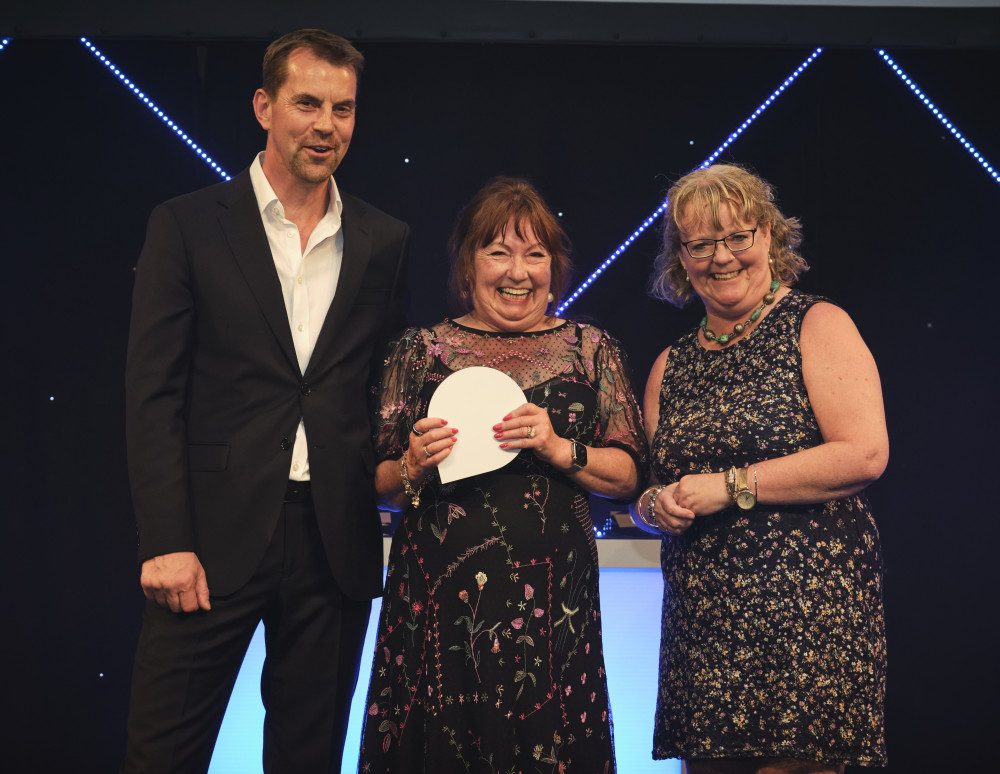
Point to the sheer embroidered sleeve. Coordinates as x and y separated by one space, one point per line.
397 406
618 408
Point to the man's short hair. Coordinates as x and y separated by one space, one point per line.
325 45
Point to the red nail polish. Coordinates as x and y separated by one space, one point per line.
506 418
503 445
496 426
498 435
444 421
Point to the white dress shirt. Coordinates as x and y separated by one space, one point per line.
308 279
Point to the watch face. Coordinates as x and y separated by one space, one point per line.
579 455
745 499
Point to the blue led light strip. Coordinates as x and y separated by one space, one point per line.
940 116
663 205
3 43
156 111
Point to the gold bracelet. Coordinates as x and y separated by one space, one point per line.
731 484
413 494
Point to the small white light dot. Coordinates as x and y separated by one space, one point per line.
52 397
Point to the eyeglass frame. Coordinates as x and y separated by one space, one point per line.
753 239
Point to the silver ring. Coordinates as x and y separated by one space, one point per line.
531 432
426 452
416 432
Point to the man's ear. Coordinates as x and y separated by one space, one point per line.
262 109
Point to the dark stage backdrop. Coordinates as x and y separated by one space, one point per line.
900 225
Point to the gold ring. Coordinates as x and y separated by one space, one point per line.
531 432
426 452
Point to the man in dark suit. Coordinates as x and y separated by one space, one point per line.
260 306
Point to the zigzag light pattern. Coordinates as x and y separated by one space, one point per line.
710 160
940 116
156 111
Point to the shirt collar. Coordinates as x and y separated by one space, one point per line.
267 198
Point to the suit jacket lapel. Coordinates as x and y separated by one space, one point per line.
357 254
239 217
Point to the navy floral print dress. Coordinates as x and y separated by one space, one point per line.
488 657
773 638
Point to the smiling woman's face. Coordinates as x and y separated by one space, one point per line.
730 284
511 284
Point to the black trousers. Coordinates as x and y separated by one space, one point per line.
186 664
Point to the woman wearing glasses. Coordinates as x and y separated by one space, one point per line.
765 423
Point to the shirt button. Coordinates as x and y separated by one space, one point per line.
299 280
285 444
306 388
290 234
295 467
300 326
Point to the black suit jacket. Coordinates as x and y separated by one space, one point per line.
214 393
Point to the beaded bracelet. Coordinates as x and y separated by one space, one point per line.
413 494
649 519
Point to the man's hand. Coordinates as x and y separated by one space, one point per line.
176 581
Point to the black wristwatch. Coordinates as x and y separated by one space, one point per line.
579 457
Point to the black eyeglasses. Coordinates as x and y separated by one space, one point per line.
738 241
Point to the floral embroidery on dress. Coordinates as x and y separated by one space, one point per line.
488 654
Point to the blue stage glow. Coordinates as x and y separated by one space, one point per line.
3 43
155 110
710 160
940 116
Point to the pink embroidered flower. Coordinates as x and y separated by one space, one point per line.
572 416
529 592
570 339
417 607
539 612
583 717
463 595
435 350
569 689
399 660
479 353
373 710
517 623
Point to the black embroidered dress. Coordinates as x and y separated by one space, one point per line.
773 638
489 657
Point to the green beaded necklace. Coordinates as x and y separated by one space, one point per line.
738 329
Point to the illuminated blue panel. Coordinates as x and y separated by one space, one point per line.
630 616
710 160
156 111
940 116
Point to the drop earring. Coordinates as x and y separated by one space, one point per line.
551 298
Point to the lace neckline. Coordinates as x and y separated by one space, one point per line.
508 334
